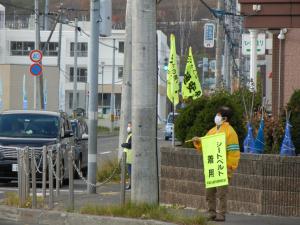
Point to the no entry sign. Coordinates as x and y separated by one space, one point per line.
36 69
36 56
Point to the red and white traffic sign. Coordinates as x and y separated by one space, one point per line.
36 56
36 69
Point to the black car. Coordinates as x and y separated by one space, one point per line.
80 130
34 129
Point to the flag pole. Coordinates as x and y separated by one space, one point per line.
173 132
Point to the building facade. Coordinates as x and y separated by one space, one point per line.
15 46
281 21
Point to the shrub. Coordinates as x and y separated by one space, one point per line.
273 132
294 107
198 117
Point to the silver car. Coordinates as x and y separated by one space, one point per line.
170 125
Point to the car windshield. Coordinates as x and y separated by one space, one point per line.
171 118
29 126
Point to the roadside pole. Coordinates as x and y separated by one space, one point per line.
126 103
75 75
112 96
46 15
219 47
144 77
37 46
59 35
93 61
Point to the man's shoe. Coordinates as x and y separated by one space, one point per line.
220 218
128 187
211 215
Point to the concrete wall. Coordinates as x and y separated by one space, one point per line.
263 184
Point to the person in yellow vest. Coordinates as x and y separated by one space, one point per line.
129 152
233 156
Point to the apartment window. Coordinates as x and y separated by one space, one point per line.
121 46
81 74
120 72
51 48
21 48
82 49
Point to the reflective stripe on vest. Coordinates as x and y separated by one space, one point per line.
128 151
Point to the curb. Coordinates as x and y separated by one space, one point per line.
37 216
108 135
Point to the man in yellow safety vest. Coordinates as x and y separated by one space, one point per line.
233 156
129 152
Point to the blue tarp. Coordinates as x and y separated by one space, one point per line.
249 140
259 144
287 147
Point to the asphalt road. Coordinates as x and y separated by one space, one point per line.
107 148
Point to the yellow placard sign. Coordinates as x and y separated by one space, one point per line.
214 160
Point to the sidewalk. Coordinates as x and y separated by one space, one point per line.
110 194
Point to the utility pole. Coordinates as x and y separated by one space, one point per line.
46 27
75 100
219 47
127 79
102 87
144 118
227 48
253 59
93 60
60 34
37 46
112 96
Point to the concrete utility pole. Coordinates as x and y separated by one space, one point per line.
75 100
60 34
253 59
144 118
37 46
112 96
46 27
127 79
227 53
102 87
93 60
219 47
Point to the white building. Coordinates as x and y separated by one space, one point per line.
15 46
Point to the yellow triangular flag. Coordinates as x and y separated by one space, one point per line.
191 85
172 76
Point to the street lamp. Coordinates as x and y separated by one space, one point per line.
281 37
102 88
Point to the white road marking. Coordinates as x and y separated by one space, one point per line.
104 153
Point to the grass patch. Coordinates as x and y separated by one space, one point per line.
102 129
143 211
108 168
12 199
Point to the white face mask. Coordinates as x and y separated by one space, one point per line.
218 120
128 129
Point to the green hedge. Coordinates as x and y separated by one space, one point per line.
198 116
294 108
